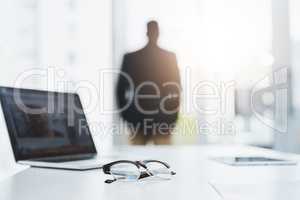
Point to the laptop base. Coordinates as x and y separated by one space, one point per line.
73 165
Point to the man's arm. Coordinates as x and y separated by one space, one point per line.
176 68
122 84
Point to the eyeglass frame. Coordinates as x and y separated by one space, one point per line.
107 168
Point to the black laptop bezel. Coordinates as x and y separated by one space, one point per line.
11 129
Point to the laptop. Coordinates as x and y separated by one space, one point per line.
48 129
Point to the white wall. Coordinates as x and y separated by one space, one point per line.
295 49
287 51
291 142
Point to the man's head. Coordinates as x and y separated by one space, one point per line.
152 31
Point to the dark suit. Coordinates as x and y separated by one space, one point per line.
150 66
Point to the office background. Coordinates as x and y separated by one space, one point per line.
217 40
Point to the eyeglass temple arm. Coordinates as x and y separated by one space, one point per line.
113 180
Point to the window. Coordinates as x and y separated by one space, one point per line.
214 40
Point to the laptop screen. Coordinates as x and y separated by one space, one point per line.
45 124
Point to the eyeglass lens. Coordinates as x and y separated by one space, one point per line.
125 171
159 170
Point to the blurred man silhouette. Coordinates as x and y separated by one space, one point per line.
148 91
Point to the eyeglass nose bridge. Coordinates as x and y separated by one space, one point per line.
142 164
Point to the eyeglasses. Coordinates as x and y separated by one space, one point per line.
134 170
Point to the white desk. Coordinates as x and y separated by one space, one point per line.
194 173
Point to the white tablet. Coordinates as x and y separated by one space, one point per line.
253 160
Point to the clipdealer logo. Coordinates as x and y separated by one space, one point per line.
269 100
